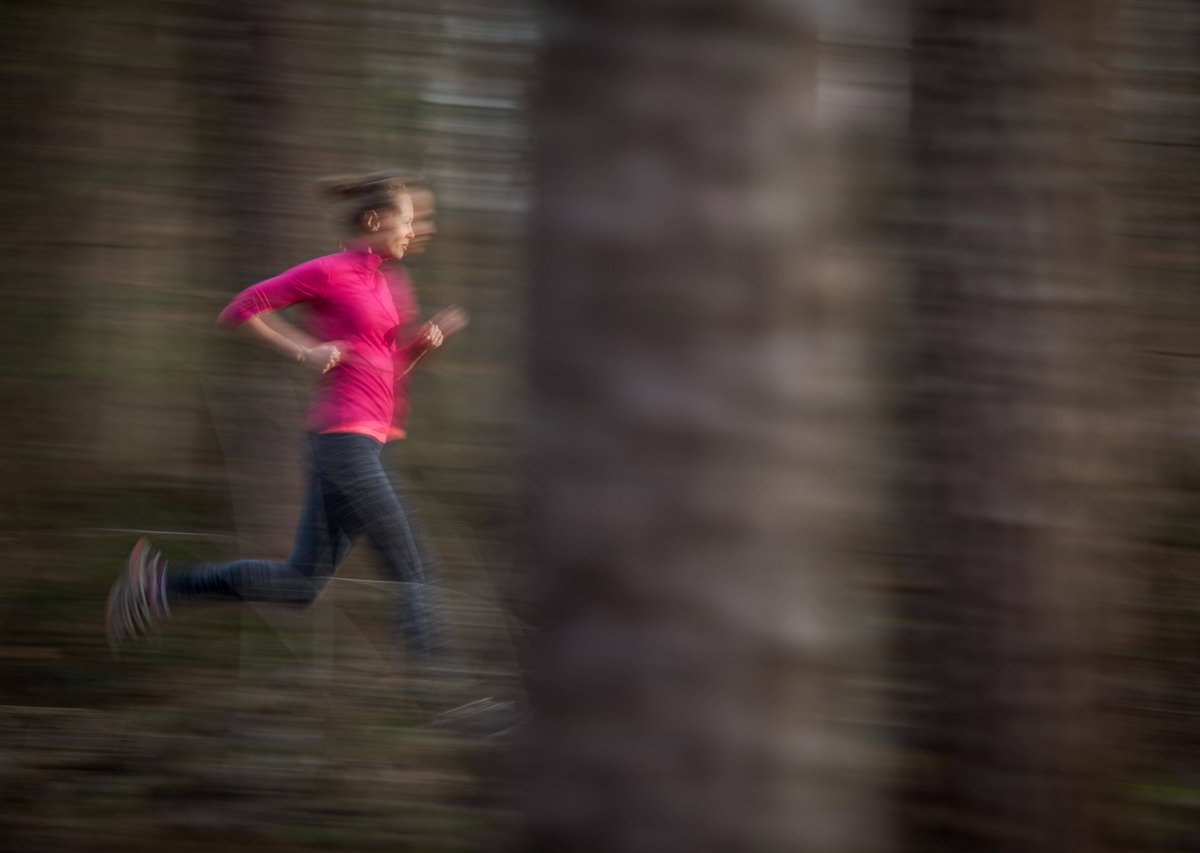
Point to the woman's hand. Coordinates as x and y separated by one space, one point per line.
445 324
324 357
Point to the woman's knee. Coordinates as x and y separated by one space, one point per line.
302 590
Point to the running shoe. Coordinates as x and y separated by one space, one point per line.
136 602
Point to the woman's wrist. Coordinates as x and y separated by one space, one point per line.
300 354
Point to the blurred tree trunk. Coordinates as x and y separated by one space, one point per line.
40 176
702 477
1157 71
135 353
1023 386
277 73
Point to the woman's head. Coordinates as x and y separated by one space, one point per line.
376 211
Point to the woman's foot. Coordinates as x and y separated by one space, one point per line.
137 601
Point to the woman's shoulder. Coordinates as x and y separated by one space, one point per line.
328 263
324 269
342 262
313 266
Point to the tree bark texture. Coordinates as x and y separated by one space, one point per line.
701 471
1021 367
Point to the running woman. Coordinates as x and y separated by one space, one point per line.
360 306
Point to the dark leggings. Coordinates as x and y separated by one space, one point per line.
349 494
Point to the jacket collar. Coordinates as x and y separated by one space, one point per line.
368 259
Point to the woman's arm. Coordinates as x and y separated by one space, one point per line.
434 332
284 337
251 313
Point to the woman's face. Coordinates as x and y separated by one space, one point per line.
424 209
394 231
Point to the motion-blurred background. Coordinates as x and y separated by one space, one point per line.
818 473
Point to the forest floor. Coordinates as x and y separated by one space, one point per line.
240 726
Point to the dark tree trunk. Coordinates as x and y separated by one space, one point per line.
1021 367
280 123
701 473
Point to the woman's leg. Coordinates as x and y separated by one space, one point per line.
364 493
323 538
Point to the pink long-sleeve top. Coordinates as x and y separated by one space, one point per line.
350 297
